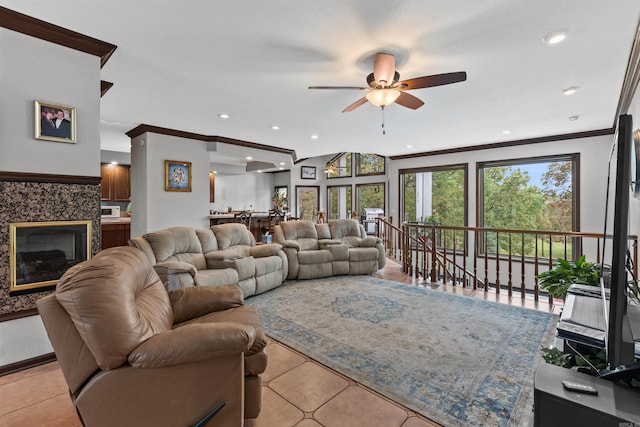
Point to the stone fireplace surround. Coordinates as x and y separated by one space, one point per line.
26 197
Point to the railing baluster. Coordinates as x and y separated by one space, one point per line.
509 273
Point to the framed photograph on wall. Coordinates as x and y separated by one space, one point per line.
55 122
177 176
308 172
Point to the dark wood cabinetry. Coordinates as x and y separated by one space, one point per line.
115 234
116 182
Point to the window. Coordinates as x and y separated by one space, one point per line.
528 194
339 167
370 164
434 195
339 202
369 196
308 200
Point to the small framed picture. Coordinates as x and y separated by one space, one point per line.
55 122
177 176
308 172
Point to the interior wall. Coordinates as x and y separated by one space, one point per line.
634 203
242 191
594 155
162 209
30 70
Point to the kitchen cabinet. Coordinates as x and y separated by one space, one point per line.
116 182
115 234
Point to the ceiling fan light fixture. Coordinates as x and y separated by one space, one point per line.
555 37
383 97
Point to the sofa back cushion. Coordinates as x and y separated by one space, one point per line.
177 244
324 232
116 301
303 232
207 239
232 234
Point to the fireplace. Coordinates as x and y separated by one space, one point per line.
40 252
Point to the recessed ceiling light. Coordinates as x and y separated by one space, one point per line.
223 115
555 37
570 90
249 158
114 163
259 171
574 118
314 136
214 172
506 132
281 168
275 127
409 146
282 163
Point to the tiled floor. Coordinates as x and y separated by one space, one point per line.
297 391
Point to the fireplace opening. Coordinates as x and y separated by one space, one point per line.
40 252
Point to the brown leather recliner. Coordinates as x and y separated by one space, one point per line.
134 355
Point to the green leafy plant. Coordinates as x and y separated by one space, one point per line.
556 357
565 273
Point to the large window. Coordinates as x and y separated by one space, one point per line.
369 196
339 202
434 195
528 194
308 199
369 164
339 167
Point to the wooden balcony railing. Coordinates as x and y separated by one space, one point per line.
492 259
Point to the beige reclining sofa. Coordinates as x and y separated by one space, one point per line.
223 254
321 250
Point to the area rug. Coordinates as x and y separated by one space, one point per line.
459 361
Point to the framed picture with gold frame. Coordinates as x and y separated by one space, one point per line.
55 122
177 176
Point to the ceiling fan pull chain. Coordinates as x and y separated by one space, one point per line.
384 132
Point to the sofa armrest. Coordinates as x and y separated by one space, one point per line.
323 243
261 251
189 303
219 259
369 242
290 244
175 267
193 343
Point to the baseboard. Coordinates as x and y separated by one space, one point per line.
26 364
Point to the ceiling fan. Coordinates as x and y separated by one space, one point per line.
385 88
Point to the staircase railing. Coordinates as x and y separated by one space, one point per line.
492 259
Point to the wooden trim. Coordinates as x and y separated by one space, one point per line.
104 87
537 140
42 30
143 128
26 364
48 178
631 78
18 314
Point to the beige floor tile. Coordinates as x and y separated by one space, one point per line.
276 411
308 423
356 407
281 360
308 386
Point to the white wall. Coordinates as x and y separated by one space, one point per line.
241 191
634 204
152 207
33 69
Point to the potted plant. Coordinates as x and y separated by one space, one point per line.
565 273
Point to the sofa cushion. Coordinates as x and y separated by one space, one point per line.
115 309
267 265
177 244
298 230
267 250
341 228
232 234
363 254
324 232
217 259
321 256
207 239
222 276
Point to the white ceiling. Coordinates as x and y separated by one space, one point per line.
180 63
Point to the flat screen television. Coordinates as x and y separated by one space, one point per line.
619 341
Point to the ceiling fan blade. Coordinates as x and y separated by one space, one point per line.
338 87
409 101
355 105
384 68
434 80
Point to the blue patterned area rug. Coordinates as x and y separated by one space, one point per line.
457 360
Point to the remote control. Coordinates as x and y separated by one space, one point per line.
579 388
